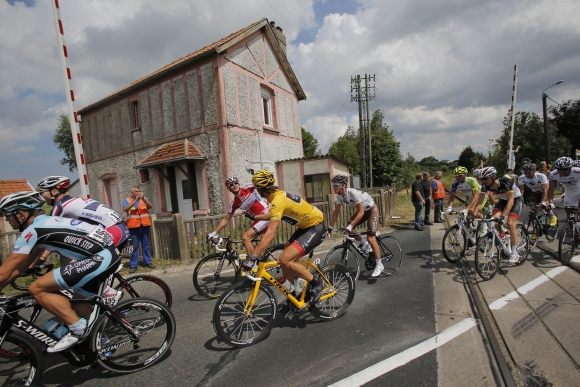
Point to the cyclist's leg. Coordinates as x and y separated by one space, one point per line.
258 227
372 218
45 291
513 221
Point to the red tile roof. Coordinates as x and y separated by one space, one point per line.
8 187
173 151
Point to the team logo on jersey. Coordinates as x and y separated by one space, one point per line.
98 258
58 220
28 236
75 222
16 249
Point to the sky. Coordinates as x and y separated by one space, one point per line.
444 69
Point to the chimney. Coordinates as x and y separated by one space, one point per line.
279 36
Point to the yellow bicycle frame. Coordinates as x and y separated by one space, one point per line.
300 303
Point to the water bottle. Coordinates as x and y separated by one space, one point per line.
299 284
55 328
287 284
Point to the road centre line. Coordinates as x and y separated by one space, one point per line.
406 356
501 302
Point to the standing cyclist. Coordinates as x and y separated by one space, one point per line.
538 184
367 211
569 178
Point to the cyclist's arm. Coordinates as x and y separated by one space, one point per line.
359 215
480 199
551 189
222 223
545 193
16 264
473 203
265 216
335 214
267 238
491 198
510 203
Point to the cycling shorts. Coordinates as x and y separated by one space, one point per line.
120 234
260 226
516 209
306 239
536 197
571 198
372 216
85 276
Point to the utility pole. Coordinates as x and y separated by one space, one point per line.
363 97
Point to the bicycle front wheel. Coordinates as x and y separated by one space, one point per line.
144 285
345 255
487 257
240 328
118 351
21 361
567 244
454 242
391 254
337 278
533 229
523 244
214 274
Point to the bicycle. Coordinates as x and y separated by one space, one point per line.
538 224
391 255
569 236
128 337
211 278
495 246
461 236
246 312
23 281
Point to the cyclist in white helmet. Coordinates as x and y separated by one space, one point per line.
569 178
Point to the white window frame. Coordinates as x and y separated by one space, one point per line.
267 113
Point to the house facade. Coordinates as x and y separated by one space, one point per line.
180 131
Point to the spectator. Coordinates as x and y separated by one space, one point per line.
427 196
417 200
137 208
438 194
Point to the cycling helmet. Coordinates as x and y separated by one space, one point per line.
461 171
477 173
58 182
563 163
263 179
487 172
526 161
531 167
576 163
342 179
232 180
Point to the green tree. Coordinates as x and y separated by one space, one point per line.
386 153
310 144
64 142
566 117
430 161
470 159
346 147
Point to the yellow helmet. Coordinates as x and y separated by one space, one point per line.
263 179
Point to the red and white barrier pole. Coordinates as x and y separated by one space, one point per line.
510 161
70 101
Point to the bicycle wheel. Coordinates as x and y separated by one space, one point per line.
487 256
144 285
567 244
523 244
23 281
273 253
347 256
238 328
21 361
533 230
391 254
551 231
118 351
338 278
454 242
213 275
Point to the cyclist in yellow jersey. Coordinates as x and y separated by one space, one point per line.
310 232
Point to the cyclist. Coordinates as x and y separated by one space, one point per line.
89 246
538 185
469 187
253 207
367 211
569 178
310 232
509 205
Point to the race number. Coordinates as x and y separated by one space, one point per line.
102 236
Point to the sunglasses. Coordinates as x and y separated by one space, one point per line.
336 185
562 170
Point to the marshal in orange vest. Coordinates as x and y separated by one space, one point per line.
137 217
439 193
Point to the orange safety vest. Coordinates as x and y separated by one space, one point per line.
439 193
137 217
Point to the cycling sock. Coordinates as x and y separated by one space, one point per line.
79 327
379 262
514 249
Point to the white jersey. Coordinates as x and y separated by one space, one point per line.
571 183
535 183
87 210
354 196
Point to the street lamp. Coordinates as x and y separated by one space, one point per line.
547 137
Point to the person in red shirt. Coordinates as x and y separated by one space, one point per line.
253 206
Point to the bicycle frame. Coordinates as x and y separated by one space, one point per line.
496 238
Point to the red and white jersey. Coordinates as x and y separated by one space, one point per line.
87 210
250 201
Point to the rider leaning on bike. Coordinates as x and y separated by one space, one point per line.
89 246
470 188
367 211
538 185
254 208
569 178
310 231
509 205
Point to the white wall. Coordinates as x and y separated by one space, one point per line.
292 178
314 167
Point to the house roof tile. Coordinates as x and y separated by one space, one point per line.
8 187
173 151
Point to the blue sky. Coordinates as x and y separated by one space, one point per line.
444 69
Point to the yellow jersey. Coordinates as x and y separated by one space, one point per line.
294 210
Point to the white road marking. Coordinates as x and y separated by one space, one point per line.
501 302
576 258
406 356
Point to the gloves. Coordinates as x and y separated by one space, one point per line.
448 211
211 235
249 215
348 228
249 263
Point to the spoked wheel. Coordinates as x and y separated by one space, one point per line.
149 286
523 244
118 350
487 257
339 281
533 230
454 242
239 327
391 254
213 275
21 361
273 254
568 244
347 256
551 231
